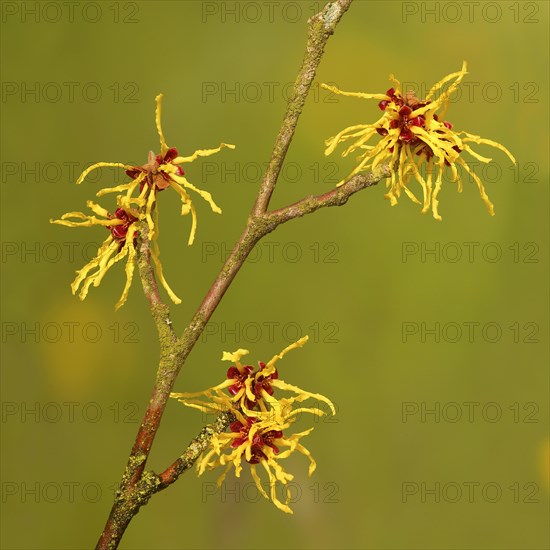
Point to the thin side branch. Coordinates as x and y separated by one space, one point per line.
197 446
320 28
337 197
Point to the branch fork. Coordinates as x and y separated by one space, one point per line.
137 484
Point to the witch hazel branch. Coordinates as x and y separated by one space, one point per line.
255 407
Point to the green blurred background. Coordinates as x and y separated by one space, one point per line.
390 473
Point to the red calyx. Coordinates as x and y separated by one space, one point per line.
258 441
159 180
417 121
239 378
259 383
168 157
405 111
134 172
264 382
120 231
406 135
405 121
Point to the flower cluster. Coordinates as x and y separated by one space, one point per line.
413 134
137 204
262 422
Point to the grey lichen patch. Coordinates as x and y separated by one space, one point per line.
263 225
169 344
381 172
202 441
147 486
134 462
197 324
131 501
332 15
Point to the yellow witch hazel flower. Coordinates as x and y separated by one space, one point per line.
261 425
121 243
160 172
414 133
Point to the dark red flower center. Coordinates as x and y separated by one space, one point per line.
120 231
168 157
259 441
156 178
239 378
406 118
258 383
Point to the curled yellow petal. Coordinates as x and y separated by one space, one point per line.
204 194
270 367
100 165
363 95
235 357
202 153
158 115
129 269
